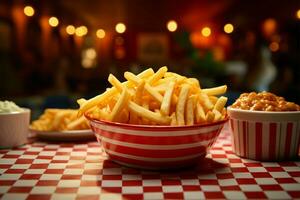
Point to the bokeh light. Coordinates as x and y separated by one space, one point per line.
70 29
89 58
206 31
274 46
100 33
269 27
29 11
53 21
228 28
298 14
120 28
81 31
172 25
91 53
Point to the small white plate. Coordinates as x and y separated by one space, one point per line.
73 135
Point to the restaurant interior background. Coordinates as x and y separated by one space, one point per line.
52 52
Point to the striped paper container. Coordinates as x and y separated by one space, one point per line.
155 147
265 136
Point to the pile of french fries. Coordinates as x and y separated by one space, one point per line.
156 98
59 120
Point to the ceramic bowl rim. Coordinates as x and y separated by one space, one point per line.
25 110
262 112
158 127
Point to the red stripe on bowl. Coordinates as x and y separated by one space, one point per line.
154 153
153 140
272 136
288 139
258 140
244 137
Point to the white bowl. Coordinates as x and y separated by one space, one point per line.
14 128
264 135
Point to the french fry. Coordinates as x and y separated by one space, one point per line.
189 114
110 92
60 116
156 95
139 92
213 99
136 80
180 108
59 120
96 100
164 81
155 117
154 105
123 117
200 114
158 75
146 106
220 103
81 101
121 103
99 113
173 120
145 74
132 78
161 88
210 116
205 101
133 118
74 124
166 102
217 116
215 91
115 82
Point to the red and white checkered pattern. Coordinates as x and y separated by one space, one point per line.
82 171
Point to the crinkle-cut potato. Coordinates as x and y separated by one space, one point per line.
156 98
60 120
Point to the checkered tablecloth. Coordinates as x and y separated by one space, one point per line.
82 171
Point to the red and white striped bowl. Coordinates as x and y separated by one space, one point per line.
155 147
266 136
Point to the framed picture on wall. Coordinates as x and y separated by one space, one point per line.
152 47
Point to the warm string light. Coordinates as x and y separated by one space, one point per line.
28 11
298 14
100 33
81 31
120 28
228 28
70 29
206 31
172 25
53 21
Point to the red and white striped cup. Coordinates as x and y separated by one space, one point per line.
266 136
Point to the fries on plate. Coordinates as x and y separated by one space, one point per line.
60 120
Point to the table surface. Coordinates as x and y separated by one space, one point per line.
43 170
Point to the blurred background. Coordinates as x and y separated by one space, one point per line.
53 52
